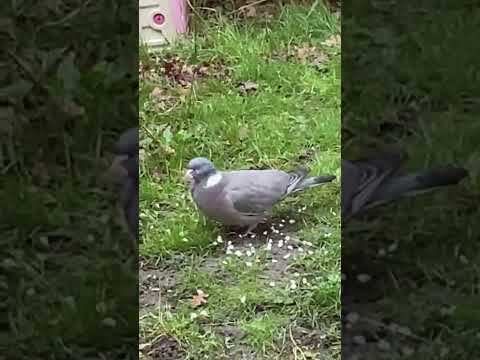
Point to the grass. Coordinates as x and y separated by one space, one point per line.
291 116
406 87
66 271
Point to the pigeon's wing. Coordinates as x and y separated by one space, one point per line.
254 192
361 179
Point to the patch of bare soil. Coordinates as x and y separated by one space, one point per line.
366 334
163 348
156 284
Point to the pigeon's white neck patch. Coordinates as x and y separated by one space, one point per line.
213 180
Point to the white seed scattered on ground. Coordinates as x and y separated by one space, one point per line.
300 249
286 256
281 234
327 235
265 232
364 278
238 253
185 240
269 246
310 252
291 221
271 283
249 264
287 238
274 260
290 247
219 239
252 236
281 226
283 220
307 243
224 262
248 253
359 340
280 243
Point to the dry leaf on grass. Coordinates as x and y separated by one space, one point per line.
248 86
199 299
334 40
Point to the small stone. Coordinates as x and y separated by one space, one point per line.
407 351
359 340
383 345
392 247
364 278
352 317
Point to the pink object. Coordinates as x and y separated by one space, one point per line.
162 21
158 18
179 14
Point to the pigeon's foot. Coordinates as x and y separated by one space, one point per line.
249 231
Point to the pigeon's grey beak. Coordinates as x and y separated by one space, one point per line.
189 175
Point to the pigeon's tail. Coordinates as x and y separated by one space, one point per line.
313 181
417 183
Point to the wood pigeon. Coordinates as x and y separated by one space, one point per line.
368 183
244 197
126 165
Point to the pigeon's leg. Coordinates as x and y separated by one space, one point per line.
249 230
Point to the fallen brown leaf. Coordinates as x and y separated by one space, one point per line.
334 40
199 299
250 11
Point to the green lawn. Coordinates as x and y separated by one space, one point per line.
412 83
265 94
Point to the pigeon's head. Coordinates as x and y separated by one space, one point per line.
199 169
126 149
